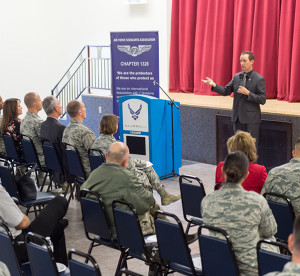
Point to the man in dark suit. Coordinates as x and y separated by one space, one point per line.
52 132
249 92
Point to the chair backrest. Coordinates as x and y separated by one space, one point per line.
30 150
8 181
74 161
51 158
172 244
96 158
283 213
7 252
93 215
10 148
128 228
191 196
40 255
271 261
78 268
217 255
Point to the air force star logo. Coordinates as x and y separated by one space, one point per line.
134 51
135 114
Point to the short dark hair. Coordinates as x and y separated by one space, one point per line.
73 107
30 98
297 144
250 54
235 166
296 233
108 124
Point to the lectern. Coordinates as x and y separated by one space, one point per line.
146 128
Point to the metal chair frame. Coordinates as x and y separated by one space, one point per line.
191 198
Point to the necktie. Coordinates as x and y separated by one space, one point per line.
244 80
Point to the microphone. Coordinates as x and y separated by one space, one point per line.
241 76
154 82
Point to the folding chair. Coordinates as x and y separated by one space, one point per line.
130 237
191 198
96 158
95 222
32 157
11 152
270 261
9 183
53 164
78 268
74 166
41 257
8 254
173 248
217 255
284 214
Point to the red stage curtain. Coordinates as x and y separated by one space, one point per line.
207 38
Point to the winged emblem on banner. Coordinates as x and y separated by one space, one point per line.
135 114
133 50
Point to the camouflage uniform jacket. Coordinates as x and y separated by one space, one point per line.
289 269
285 180
31 126
113 182
2 146
81 137
146 176
245 216
103 142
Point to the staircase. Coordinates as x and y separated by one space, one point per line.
90 72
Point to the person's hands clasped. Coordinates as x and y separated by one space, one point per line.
243 90
209 82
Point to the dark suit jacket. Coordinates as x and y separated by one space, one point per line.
51 133
246 108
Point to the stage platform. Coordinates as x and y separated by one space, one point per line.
272 106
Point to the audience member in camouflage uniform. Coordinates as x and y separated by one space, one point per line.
285 179
244 215
31 124
145 174
79 135
2 146
293 267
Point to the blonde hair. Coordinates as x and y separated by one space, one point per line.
244 142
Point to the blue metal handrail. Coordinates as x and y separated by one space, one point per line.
90 70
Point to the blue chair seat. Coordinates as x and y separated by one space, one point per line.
9 183
271 261
186 270
40 198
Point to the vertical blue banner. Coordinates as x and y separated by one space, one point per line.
135 65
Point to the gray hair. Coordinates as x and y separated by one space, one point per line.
49 103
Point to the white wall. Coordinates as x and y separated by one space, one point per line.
39 39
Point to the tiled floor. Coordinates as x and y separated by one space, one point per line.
106 257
